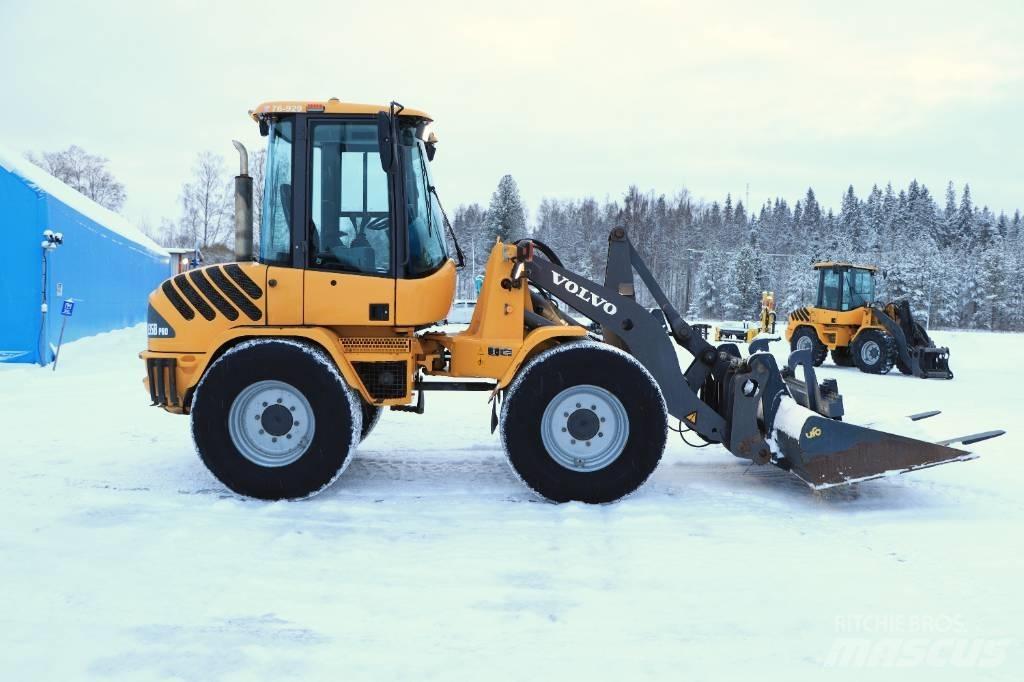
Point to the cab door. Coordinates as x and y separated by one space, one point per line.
349 279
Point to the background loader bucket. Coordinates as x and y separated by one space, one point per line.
825 453
932 363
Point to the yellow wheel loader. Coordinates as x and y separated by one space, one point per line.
285 363
860 332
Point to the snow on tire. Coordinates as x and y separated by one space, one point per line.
273 419
583 421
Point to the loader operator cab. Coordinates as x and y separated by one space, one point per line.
331 202
844 286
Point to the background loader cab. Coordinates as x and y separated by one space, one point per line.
847 321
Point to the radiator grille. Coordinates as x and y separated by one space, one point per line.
376 345
383 379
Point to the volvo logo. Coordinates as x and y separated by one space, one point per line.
584 294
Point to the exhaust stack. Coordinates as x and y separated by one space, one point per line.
243 206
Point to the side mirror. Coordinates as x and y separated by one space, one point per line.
431 150
384 141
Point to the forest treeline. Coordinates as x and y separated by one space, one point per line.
957 263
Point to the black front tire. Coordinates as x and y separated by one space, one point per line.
557 373
806 336
874 351
338 419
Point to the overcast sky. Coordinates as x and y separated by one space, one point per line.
570 98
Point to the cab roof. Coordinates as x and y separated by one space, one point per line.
330 106
829 264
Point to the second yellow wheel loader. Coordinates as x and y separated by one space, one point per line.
747 331
285 363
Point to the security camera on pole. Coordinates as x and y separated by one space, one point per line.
51 240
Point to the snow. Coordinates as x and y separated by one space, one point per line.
122 558
46 183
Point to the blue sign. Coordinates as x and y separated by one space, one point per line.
67 308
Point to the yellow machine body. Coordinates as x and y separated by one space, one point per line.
330 311
835 328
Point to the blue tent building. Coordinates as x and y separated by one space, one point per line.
105 265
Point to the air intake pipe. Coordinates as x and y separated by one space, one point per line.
243 206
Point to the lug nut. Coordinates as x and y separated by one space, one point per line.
279 401
600 435
262 432
273 440
588 443
573 442
564 429
264 404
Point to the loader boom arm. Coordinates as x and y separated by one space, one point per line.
723 397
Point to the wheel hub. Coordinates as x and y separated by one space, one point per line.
804 343
271 423
870 353
583 424
584 428
277 420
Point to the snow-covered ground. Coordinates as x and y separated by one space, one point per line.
121 557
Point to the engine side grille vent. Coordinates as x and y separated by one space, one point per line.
176 300
217 289
197 301
372 344
248 286
232 292
212 295
383 379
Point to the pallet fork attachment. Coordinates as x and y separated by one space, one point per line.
748 404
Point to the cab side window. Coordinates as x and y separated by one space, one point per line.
350 220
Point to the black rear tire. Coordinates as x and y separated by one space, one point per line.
874 351
842 357
337 419
612 437
805 337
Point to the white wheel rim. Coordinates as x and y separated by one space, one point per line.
271 423
870 352
584 428
804 343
